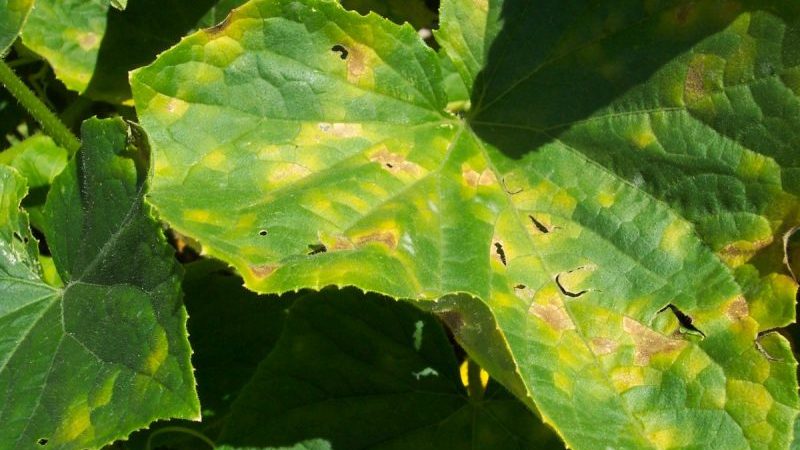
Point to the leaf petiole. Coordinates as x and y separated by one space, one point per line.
51 124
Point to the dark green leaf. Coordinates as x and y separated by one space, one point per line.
88 363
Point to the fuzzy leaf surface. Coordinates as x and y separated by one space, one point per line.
308 146
86 364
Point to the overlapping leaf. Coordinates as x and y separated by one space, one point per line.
13 14
88 363
369 372
309 147
92 46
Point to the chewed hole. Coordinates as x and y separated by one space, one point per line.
262 233
341 50
42 441
683 318
314 249
501 253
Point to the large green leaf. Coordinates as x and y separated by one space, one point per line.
107 354
368 372
13 14
309 147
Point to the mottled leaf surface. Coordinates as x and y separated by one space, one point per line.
308 147
12 17
83 365
369 372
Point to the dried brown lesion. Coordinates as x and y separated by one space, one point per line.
474 179
737 309
395 163
262 271
381 237
554 315
648 343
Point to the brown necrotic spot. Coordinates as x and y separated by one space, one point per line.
394 162
220 27
603 346
263 270
737 309
647 342
475 179
341 50
554 315
381 237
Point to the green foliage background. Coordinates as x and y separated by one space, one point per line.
595 202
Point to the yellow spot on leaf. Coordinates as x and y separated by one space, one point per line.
675 238
739 252
625 378
222 51
643 139
158 354
214 160
197 215
605 199
102 393
562 382
666 437
76 421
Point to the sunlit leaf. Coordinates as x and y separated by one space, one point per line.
563 216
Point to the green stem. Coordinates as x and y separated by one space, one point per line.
49 121
474 382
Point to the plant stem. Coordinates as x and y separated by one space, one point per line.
49 121
474 382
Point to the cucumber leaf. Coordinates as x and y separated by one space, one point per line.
92 44
308 146
13 16
86 364
369 372
39 160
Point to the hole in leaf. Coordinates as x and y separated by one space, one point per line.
262 233
509 191
498 248
539 225
44 250
341 50
520 286
42 441
683 318
760 346
389 165
314 249
565 291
